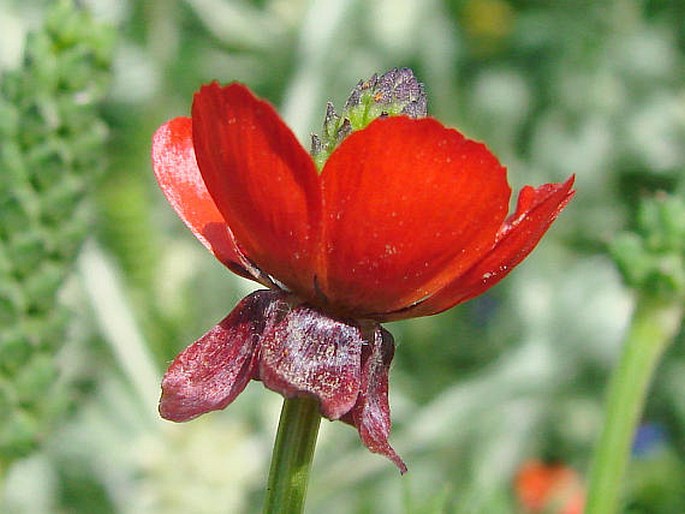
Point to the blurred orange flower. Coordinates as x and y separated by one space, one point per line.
549 488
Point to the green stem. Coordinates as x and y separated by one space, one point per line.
292 456
653 327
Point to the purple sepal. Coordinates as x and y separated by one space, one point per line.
309 353
294 350
211 372
371 413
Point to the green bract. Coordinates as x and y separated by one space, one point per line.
652 258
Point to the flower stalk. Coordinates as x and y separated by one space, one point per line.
292 456
654 326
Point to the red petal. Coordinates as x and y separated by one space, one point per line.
309 353
409 204
535 212
210 373
173 159
371 414
263 182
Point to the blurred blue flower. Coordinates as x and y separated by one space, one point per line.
649 438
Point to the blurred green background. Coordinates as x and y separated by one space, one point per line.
101 285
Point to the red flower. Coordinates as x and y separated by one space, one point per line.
407 218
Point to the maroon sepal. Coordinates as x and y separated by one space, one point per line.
309 353
211 372
371 413
296 351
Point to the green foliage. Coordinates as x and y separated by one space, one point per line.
657 483
51 154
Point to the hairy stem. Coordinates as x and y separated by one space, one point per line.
292 457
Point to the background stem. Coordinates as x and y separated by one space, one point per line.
292 457
654 326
